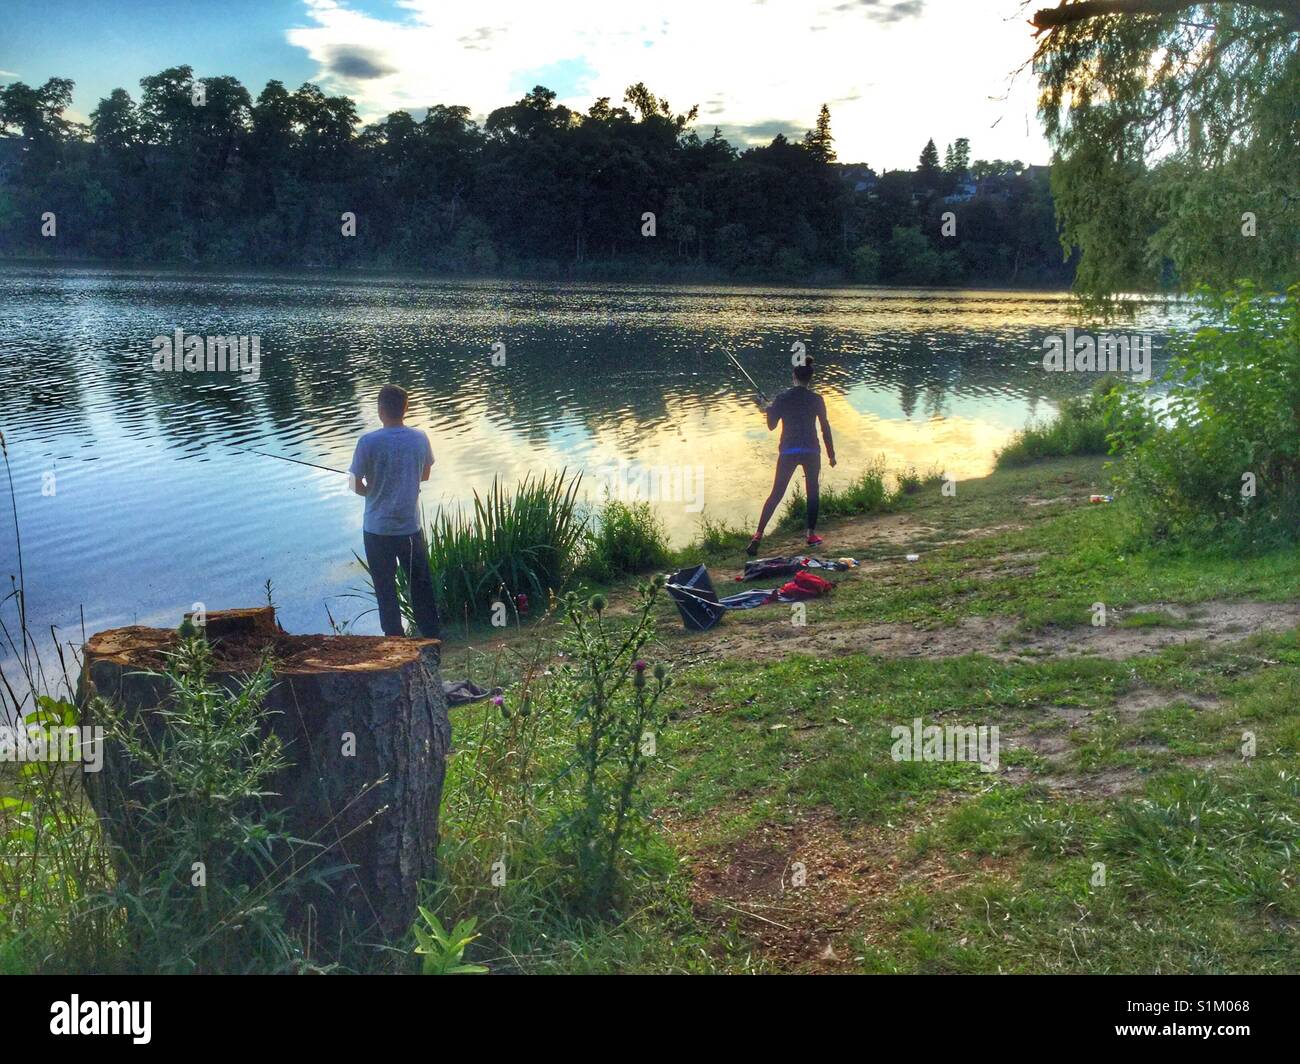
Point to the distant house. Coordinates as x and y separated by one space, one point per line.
965 190
994 185
858 176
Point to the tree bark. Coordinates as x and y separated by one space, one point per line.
364 723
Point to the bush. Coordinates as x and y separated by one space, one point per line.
528 540
716 537
866 264
1083 426
52 854
627 539
910 481
1231 424
548 826
867 494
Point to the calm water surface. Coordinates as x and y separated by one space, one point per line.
134 500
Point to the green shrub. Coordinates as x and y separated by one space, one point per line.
716 537
1231 422
910 481
627 539
52 855
547 821
528 540
1083 426
868 494
441 951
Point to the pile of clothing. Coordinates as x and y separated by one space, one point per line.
760 568
700 607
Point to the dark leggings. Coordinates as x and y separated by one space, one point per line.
786 464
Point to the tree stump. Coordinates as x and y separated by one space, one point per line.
364 724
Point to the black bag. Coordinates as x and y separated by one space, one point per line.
768 567
764 568
697 602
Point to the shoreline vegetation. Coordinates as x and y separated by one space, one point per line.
629 272
197 170
1142 818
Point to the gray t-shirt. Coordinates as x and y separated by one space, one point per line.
392 461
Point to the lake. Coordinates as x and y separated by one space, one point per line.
135 501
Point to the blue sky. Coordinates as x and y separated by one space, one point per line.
894 72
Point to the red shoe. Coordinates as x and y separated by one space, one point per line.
814 540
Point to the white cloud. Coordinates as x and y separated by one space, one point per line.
894 72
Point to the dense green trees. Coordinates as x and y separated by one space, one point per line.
1177 137
197 170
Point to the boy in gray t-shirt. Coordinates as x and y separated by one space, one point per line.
387 469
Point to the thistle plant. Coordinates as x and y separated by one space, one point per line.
615 697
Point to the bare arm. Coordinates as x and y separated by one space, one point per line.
356 471
825 423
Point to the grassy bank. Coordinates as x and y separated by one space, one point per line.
1123 831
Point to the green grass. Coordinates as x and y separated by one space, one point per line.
1079 428
870 493
715 539
1201 854
1066 558
625 539
1197 879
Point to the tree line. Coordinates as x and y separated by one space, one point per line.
197 171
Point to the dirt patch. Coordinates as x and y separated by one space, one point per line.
880 533
805 890
991 530
997 637
779 639
1135 703
1051 738
1215 621
795 889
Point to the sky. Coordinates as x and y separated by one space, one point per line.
893 72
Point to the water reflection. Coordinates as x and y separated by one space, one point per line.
155 508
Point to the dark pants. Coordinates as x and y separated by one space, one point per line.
786 464
383 555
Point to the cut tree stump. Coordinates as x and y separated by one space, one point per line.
364 724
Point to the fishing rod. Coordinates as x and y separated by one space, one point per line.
751 380
296 461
